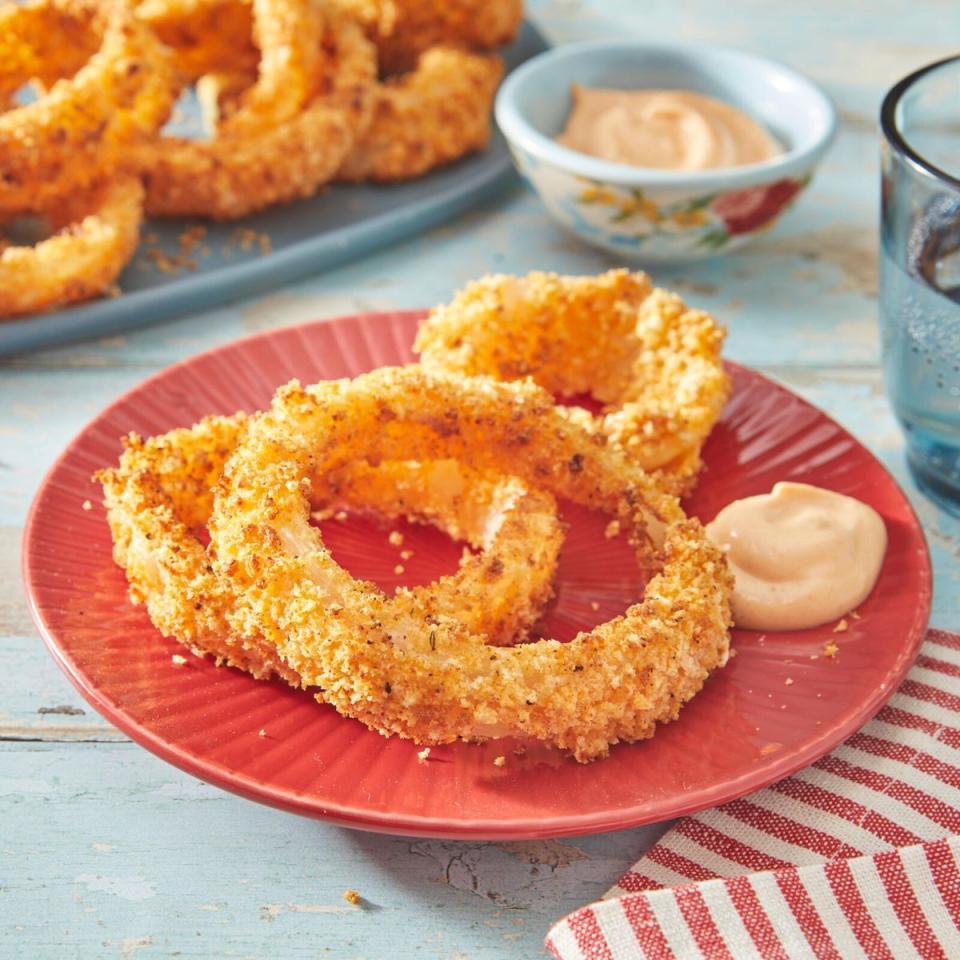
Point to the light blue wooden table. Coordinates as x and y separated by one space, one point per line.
107 852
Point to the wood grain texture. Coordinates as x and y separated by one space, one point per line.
107 852
184 868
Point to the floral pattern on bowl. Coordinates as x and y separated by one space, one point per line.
659 224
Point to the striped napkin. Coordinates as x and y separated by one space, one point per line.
856 856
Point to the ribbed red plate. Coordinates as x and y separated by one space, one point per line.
746 729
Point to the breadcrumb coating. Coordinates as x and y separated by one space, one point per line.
158 499
106 85
204 35
651 360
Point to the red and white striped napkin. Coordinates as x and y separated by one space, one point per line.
856 856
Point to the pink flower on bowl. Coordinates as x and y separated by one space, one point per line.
743 211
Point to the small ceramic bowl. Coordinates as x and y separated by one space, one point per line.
663 215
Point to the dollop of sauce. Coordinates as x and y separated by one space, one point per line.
667 129
801 555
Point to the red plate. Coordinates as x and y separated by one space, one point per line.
746 729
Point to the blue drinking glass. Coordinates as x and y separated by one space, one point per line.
920 272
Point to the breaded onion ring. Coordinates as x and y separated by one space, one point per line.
95 236
427 118
404 29
77 132
653 362
428 678
292 129
159 498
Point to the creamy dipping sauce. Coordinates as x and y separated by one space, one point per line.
801 555
667 129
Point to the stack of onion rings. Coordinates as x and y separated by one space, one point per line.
484 458
652 361
294 94
404 669
432 107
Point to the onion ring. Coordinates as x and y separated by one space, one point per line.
428 678
642 352
96 235
427 118
159 498
76 133
290 133
45 42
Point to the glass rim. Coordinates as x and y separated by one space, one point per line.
896 139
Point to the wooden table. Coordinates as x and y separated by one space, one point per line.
105 851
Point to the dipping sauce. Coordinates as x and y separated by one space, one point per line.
801 555
667 129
